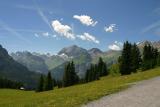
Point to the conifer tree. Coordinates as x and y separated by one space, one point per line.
102 67
155 56
135 58
70 77
40 84
87 76
49 82
92 73
158 59
74 77
150 55
125 59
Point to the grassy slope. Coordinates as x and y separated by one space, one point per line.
71 96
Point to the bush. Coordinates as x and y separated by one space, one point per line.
114 70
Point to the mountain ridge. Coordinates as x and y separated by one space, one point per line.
13 70
83 57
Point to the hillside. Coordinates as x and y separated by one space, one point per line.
82 58
31 61
55 63
13 70
75 95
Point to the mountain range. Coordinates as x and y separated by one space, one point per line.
26 66
42 63
11 69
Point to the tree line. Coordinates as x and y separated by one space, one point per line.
131 59
45 83
5 83
70 76
96 71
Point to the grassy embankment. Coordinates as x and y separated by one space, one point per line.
72 96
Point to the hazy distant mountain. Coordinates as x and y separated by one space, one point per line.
109 56
94 52
54 61
155 44
31 61
82 58
13 70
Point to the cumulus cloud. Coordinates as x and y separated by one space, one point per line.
63 30
88 37
86 20
110 28
116 46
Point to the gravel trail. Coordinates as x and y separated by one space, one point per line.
144 94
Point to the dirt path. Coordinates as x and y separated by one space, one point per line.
143 94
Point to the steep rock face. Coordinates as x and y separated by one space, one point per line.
13 70
80 56
73 51
31 61
94 52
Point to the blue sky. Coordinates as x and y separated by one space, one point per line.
49 25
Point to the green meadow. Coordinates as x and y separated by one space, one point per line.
75 95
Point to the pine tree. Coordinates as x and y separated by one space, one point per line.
65 76
96 72
49 82
158 59
92 73
74 77
104 70
155 56
70 77
40 84
125 59
102 67
135 58
150 55
87 76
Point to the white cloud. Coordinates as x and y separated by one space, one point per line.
86 20
110 28
137 43
116 46
63 30
36 35
88 37
118 43
54 36
45 34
